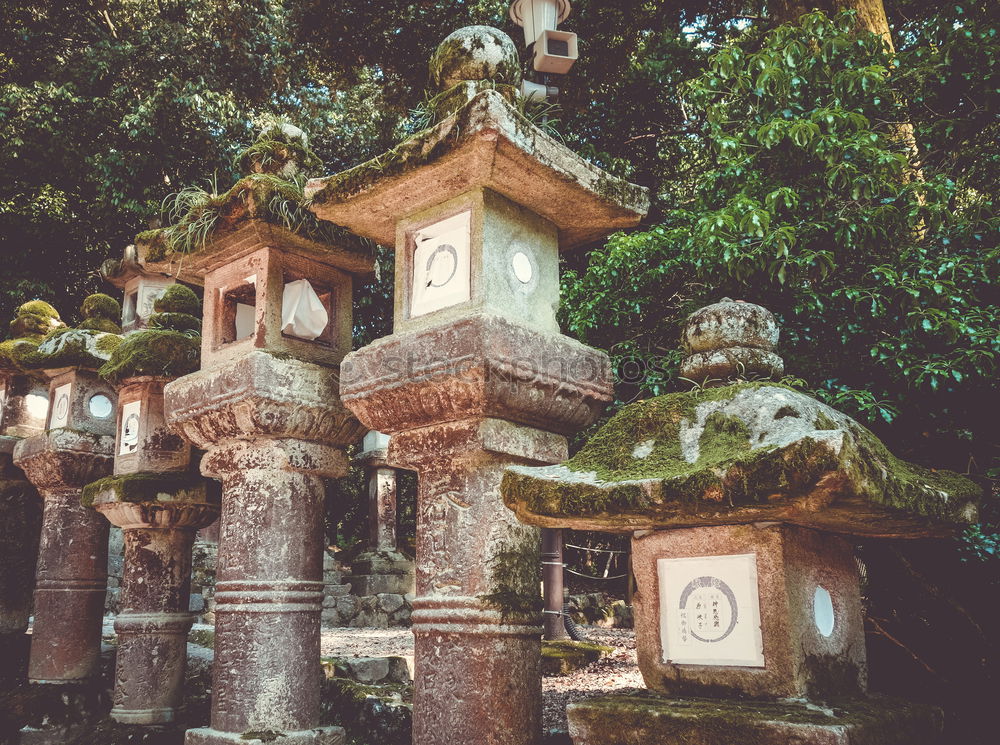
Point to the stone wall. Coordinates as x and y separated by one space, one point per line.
341 608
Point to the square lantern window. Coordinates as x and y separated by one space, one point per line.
144 441
446 268
80 400
24 405
280 300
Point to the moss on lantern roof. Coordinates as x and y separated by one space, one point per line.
100 305
183 486
178 298
34 319
739 453
198 216
82 347
157 352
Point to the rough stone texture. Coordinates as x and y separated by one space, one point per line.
260 396
627 720
482 366
20 525
84 385
792 562
250 258
158 447
486 143
71 579
475 53
730 340
154 620
371 670
381 508
740 454
564 656
262 420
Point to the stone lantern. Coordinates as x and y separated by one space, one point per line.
75 449
159 504
740 500
265 407
140 286
382 567
23 408
476 376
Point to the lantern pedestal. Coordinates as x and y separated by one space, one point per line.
20 524
273 429
71 580
159 515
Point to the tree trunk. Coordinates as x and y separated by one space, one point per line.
871 13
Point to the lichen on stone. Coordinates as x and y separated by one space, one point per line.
157 352
84 348
514 576
715 451
150 487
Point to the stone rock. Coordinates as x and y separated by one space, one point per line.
475 53
730 340
651 719
565 657
738 454
390 602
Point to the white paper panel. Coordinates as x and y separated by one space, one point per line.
130 427
442 262
710 611
60 406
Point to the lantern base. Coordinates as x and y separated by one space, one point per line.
318 736
620 720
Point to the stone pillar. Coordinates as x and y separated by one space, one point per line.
269 589
552 584
154 620
71 579
20 523
381 508
265 408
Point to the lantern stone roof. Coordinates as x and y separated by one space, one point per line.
484 142
740 453
34 319
88 346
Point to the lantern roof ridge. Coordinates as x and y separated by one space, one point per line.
484 142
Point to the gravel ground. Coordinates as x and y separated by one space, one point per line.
616 672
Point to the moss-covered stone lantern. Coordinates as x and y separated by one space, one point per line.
75 449
265 407
741 500
159 503
23 407
140 287
476 375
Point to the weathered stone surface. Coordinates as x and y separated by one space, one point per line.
20 525
564 656
475 53
481 366
157 448
718 366
644 718
740 454
71 578
791 562
154 620
486 143
259 395
730 323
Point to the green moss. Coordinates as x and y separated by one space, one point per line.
154 243
617 477
34 319
514 576
178 298
174 322
102 306
263 735
565 657
67 348
101 324
14 352
157 352
203 638
645 717
149 487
